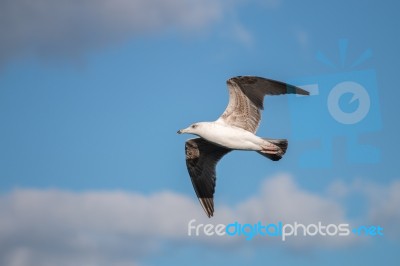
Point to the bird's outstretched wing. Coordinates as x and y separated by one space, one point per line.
246 97
201 160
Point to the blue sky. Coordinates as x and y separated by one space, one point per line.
91 97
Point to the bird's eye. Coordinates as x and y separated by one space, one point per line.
194 126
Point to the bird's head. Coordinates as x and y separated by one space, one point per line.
192 129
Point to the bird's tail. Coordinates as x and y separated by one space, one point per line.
274 148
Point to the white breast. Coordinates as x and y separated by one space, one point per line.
231 137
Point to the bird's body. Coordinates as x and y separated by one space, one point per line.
234 130
230 137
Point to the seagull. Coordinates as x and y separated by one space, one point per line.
234 130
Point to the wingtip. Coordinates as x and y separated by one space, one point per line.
296 90
303 92
208 206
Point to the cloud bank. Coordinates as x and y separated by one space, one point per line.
56 227
69 28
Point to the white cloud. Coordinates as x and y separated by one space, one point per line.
68 28
52 227
384 205
55 227
281 198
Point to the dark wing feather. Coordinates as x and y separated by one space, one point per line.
201 160
246 99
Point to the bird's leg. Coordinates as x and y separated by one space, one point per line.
268 147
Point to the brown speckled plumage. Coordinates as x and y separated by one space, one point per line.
246 96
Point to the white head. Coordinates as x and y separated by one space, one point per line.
196 129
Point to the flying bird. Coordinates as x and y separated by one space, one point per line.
234 130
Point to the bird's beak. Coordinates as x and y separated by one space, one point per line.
184 131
